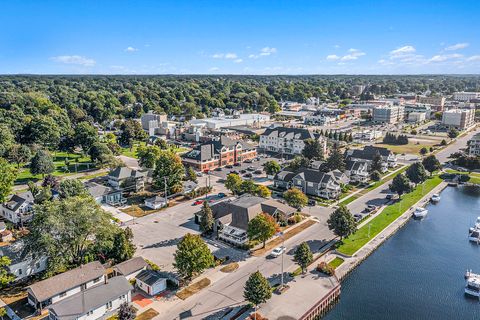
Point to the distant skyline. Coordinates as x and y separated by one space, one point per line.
239 37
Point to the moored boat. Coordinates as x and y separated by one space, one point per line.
420 213
435 198
472 285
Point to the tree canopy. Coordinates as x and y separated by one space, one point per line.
342 222
261 228
192 256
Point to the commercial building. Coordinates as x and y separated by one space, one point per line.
152 121
437 103
416 117
285 140
474 145
466 96
388 114
460 119
247 119
218 153
417 107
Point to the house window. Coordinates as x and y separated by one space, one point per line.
109 305
97 280
310 184
89 313
20 271
63 294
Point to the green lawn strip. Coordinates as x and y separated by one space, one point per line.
132 152
357 240
474 176
350 199
335 263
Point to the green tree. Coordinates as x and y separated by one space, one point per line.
85 135
263 191
342 222
206 218
431 163
126 312
271 167
423 151
123 247
261 228
298 162
72 188
5 276
295 198
63 230
257 289
443 142
376 163
169 169
191 174
192 256
102 156
8 175
19 154
248 186
303 256
400 184
42 163
131 130
233 183
416 173
313 149
453 133
375 175
43 130
335 161
148 156
7 140
3 312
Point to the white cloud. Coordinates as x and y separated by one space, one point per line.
336 46
353 54
445 57
75 59
402 51
332 57
130 49
264 52
228 56
457 46
474 58
238 60
213 69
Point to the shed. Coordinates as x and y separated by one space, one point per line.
155 203
151 282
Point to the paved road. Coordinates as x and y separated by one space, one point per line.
460 143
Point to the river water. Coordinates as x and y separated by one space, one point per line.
418 272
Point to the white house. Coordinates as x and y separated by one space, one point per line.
130 268
285 140
57 288
105 194
97 302
155 203
22 265
151 282
19 208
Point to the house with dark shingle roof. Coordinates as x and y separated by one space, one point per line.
368 153
19 208
357 171
285 140
22 265
123 176
66 284
99 302
232 215
105 194
151 282
219 153
130 268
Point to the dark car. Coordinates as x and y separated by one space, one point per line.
221 195
243 171
312 202
229 166
247 175
258 171
357 217
237 164
219 169
234 172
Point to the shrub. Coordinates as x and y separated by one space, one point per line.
325 268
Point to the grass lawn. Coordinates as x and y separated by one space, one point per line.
193 288
474 176
77 161
410 148
230 267
335 263
350 199
133 152
147 315
357 240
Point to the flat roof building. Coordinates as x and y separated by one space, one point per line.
460 119
388 114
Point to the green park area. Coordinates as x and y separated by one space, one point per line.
132 152
474 176
354 242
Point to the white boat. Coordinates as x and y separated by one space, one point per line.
474 235
435 197
472 285
420 213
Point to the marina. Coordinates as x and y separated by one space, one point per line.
423 264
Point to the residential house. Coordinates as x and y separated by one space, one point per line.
474 145
130 268
124 177
219 152
232 216
22 264
57 288
98 302
289 141
368 153
155 203
19 208
150 282
105 194
357 171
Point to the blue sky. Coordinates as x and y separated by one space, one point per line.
239 37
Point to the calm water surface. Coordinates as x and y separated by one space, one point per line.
418 273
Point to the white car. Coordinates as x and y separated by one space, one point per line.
277 251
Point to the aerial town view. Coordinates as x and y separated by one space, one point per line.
250 160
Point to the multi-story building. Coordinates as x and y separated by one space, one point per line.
460 119
466 96
416 117
438 103
388 114
219 153
252 119
474 145
151 121
19 208
288 141
368 154
417 107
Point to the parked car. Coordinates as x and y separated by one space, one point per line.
390 196
219 169
221 195
229 166
357 217
259 171
199 174
237 164
251 168
257 159
312 202
248 161
278 251
234 172
243 171
371 207
196 203
247 175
